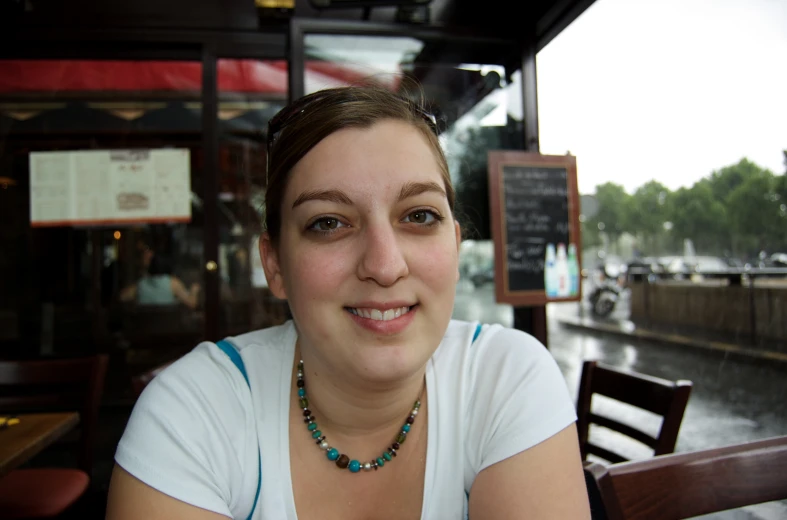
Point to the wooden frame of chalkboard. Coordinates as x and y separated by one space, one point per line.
534 205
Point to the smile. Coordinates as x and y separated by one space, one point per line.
378 315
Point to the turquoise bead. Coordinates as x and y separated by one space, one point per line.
387 456
316 434
354 466
301 392
406 428
380 462
333 454
312 426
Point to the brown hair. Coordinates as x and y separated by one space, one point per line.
319 115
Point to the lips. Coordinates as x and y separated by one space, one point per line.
380 314
383 318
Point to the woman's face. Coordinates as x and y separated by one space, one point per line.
368 251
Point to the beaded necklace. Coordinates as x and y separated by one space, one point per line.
342 460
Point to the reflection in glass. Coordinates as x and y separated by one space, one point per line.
254 90
478 107
121 272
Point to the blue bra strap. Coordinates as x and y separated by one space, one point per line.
476 333
234 356
229 349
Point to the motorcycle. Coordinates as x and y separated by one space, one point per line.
606 292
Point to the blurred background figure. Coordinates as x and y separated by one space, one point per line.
159 287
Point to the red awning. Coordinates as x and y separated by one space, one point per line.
241 76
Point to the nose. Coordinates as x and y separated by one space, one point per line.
382 259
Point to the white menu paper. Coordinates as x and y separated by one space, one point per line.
106 187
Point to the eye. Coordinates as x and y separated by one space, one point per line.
326 224
423 217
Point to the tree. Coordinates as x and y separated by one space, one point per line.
649 212
612 214
695 214
471 181
756 214
724 181
590 234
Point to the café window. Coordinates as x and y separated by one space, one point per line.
101 172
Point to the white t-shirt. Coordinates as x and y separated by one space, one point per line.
196 430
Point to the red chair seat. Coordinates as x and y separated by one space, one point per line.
40 493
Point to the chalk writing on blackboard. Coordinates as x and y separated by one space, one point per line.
535 226
536 215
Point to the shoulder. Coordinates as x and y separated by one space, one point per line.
510 392
210 373
193 432
277 338
500 348
506 364
203 383
483 351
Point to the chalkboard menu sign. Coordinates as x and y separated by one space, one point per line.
534 203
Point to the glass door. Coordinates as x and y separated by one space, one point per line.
476 98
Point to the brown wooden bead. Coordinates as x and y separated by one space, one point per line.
395 445
308 419
300 383
343 461
307 412
410 420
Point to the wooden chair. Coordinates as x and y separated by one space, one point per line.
662 397
685 485
51 385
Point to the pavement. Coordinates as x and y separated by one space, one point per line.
619 325
735 398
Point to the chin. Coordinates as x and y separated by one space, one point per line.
390 364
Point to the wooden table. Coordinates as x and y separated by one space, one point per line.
22 442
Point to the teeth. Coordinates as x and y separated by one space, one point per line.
377 314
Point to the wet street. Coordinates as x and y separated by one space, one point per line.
732 400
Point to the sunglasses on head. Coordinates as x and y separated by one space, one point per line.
290 113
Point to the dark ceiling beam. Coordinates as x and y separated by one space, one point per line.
557 18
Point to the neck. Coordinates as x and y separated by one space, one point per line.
353 411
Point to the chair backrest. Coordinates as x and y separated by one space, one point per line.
662 397
57 385
685 485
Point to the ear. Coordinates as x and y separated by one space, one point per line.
271 266
458 230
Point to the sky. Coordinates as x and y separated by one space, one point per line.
669 90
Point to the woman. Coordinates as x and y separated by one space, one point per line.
371 402
160 287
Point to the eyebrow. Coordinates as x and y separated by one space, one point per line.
411 189
336 196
